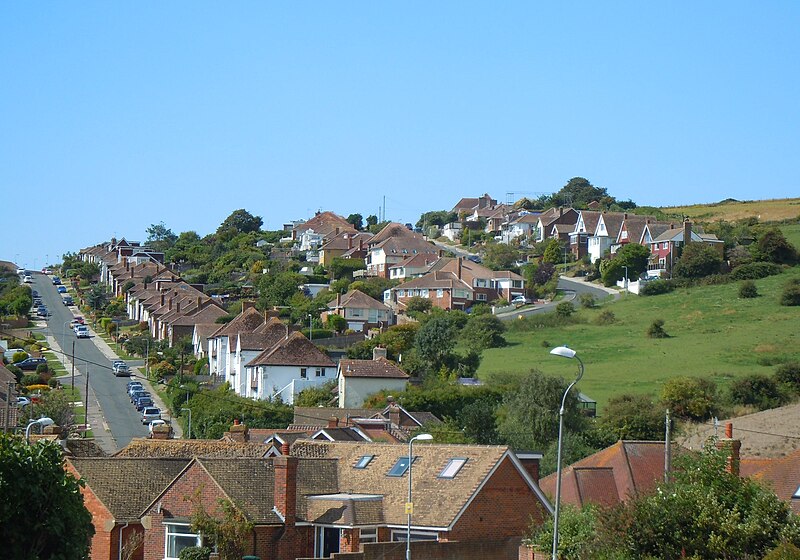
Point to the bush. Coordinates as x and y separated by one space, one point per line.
755 270
784 551
29 379
748 290
587 300
757 390
656 329
656 287
195 553
789 374
418 304
697 260
42 368
565 309
791 293
607 317
18 357
694 398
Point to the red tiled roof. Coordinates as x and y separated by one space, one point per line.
380 368
296 350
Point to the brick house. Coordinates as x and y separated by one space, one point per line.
360 311
358 379
585 226
564 217
412 267
392 245
345 243
666 249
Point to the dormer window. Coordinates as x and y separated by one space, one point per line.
452 468
363 462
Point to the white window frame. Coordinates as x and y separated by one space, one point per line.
320 372
453 467
481 297
399 535
368 535
303 373
439 293
171 532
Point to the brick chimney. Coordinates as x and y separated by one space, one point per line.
394 414
732 446
360 244
177 307
458 267
378 352
333 422
163 299
199 303
127 264
238 432
169 304
285 492
247 305
338 300
349 241
336 230
687 231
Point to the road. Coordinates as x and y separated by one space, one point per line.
572 288
112 417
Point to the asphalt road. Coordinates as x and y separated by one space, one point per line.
572 289
117 413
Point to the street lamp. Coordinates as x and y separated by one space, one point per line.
189 410
564 352
310 333
626 276
43 421
409 503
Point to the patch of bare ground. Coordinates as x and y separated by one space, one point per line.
767 434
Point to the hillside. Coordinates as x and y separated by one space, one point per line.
712 332
777 210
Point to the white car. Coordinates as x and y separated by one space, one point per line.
27 279
520 300
150 414
82 331
23 401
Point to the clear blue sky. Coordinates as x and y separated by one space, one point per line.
114 116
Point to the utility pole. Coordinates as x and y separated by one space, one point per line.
667 448
86 405
73 367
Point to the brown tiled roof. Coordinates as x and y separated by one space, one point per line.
297 350
175 448
265 337
84 448
613 221
438 501
247 321
347 240
380 368
249 483
359 300
394 230
325 223
783 476
318 415
420 260
127 486
590 219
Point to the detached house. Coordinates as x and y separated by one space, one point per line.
666 249
565 218
361 311
346 243
392 245
467 206
358 379
314 233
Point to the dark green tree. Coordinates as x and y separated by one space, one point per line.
633 416
241 221
554 252
579 192
483 331
160 237
435 340
500 256
758 390
42 514
417 304
635 257
772 246
372 220
693 398
698 260
357 220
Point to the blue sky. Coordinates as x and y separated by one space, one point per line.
115 116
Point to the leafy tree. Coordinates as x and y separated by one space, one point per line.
697 260
611 271
635 257
789 374
436 218
398 339
42 514
633 416
499 256
55 405
417 304
315 396
772 246
694 398
241 221
706 512
565 309
278 289
160 237
340 267
577 532
483 331
372 220
479 421
374 286
229 529
357 220
554 252
758 390
435 340
579 192
337 323
544 273
529 415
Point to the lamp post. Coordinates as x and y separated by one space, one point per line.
43 421
409 503
310 332
189 410
564 352
626 276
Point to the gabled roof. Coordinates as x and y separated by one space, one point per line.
590 219
340 434
127 486
397 238
439 502
265 337
183 448
380 368
325 223
247 321
613 222
347 240
420 260
356 299
783 476
296 350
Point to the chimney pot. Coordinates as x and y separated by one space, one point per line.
333 422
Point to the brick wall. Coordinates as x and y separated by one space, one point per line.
105 537
505 549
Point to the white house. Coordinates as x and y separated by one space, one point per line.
358 379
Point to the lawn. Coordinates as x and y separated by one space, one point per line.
712 333
776 210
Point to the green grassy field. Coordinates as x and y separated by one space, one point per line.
712 333
792 233
776 210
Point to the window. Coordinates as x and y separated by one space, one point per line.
400 536
480 297
401 293
452 468
480 283
363 462
424 293
179 536
303 373
439 293
797 493
516 283
399 468
368 535
320 372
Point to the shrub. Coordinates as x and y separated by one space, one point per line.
690 397
418 304
565 309
748 290
587 300
656 287
789 374
29 379
18 357
757 390
755 270
52 383
42 368
697 260
607 317
784 551
195 553
791 293
656 329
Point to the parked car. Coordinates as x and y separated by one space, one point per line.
122 370
134 386
34 294
150 413
30 363
155 423
62 289
23 401
20 271
56 280
67 300
521 300
136 394
47 271
27 279
42 311
143 402
82 331
75 322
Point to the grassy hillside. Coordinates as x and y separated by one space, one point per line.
712 333
777 210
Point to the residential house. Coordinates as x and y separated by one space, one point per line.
360 311
314 233
522 226
456 283
392 245
358 379
585 226
393 423
413 267
248 345
344 243
605 234
452 231
467 206
666 249
221 342
281 372
783 477
560 216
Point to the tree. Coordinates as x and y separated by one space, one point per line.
698 260
372 220
435 340
758 390
579 192
772 246
499 256
230 529
337 323
436 218
53 404
656 329
160 237
316 396
357 220
554 252
544 273
42 514
399 338
611 271
633 416
789 374
483 331
635 257
417 304
706 512
694 398
791 293
241 221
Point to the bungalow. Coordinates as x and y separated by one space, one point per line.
360 311
358 379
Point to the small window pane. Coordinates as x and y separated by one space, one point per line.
364 461
400 467
797 493
452 468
